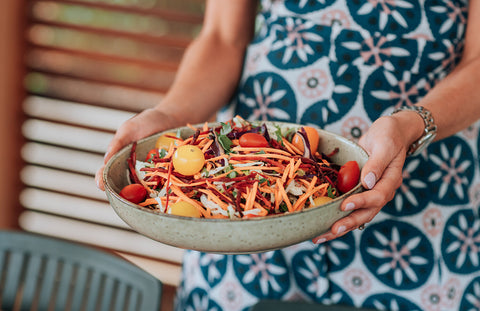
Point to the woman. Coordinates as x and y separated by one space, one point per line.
346 66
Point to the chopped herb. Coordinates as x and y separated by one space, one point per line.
226 128
162 153
225 142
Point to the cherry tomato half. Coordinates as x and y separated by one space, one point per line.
253 140
134 193
313 139
165 140
188 160
151 154
321 200
182 208
348 176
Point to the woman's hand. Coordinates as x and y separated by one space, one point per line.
386 141
147 122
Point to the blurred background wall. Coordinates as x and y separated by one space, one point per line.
71 71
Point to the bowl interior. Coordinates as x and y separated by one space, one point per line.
225 235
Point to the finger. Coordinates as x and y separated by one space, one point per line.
99 178
380 158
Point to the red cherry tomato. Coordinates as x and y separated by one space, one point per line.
253 140
151 154
134 193
348 176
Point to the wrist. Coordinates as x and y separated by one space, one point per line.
418 127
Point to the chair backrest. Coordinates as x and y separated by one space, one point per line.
42 273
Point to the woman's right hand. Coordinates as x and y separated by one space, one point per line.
145 123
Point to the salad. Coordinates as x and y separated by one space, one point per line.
237 169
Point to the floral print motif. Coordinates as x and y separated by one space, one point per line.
471 299
340 65
313 83
461 242
267 96
397 254
213 267
341 99
357 281
390 302
397 16
264 274
298 43
433 221
452 173
438 298
414 193
354 127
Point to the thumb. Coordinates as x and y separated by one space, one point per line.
380 159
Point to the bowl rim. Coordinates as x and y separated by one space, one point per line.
110 191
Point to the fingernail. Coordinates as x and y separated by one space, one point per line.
320 241
341 229
106 154
370 180
350 206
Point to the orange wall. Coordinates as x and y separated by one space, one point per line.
12 19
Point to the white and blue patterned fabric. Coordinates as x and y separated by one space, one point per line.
341 64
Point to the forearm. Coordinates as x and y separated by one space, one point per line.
212 65
205 81
455 101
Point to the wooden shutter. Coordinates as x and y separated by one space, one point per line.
92 64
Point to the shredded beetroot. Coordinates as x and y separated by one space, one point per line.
131 161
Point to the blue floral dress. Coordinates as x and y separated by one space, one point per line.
341 64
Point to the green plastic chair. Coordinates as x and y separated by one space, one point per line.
274 305
43 273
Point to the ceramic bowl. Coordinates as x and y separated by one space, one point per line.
224 235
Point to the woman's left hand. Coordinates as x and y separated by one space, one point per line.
386 143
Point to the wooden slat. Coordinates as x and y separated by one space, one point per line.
161 40
60 181
75 113
92 42
91 77
157 64
78 90
168 273
61 158
178 16
118 239
67 136
91 211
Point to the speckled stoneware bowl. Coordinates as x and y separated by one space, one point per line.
224 235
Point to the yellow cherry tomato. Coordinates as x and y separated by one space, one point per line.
313 139
182 208
321 200
188 160
164 141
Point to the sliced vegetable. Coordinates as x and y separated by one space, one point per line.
152 154
165 140
348 176
253 140
188 160
312 136
237 170
134 193
182 208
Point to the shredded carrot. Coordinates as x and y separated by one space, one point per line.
291 147
253 183
148 201
284 195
